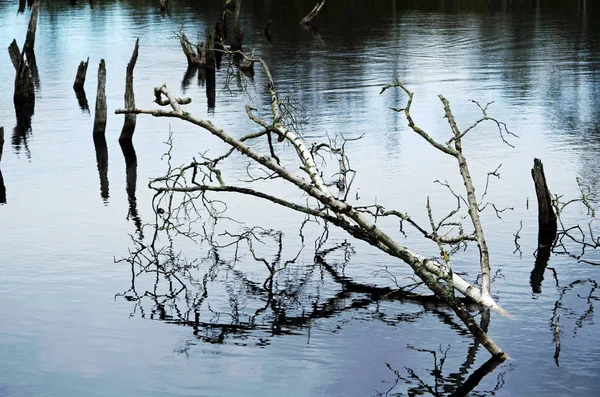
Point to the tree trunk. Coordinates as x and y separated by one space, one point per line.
312 14
80 77
547 226
130 119
30 38
192 55
100 114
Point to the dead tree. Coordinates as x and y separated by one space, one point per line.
312 14
193 54
79 83
80 76
129 124
100 114
359 221
547 226
31 29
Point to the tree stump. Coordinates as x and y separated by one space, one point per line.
30 37
100 114
80 76
130 118
547 226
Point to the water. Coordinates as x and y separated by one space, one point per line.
72 323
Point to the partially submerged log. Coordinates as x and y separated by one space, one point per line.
130 119
100 114
312 14
546 223
80 76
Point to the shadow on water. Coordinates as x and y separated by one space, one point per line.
206 78
131 182
82 100
2 189
285 300
24 113
102 162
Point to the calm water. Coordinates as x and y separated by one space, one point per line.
75 322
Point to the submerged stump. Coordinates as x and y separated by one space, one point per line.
547 226
80 76
100 114
130 118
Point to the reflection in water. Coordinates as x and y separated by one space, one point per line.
286 299
2 189
22 130
82 100
131 180
188 76
102 161
210 88
436 384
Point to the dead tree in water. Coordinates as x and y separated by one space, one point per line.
129 124
79 83
312 14
193 53
547 226
100 114
361 222
80 76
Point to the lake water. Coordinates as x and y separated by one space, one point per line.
77 321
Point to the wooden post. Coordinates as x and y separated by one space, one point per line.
130 118
312 14
100 114
24 95
80 76
30 38
547 226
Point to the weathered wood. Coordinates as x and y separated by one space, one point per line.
21 6
219 47
312 14
15 54
24 94
130 119
80 76
547 226
191 53
30 37
100 114
1 141
163 5
210 49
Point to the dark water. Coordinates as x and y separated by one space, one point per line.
76 321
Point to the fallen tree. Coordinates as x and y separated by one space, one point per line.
203 178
